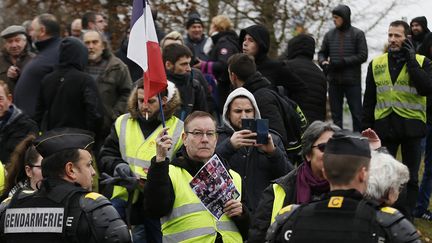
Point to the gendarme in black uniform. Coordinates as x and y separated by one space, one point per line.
342 216
61 211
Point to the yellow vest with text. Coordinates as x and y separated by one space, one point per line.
138 151
189 220
400 97
279 197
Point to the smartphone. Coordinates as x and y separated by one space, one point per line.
262 130
249 124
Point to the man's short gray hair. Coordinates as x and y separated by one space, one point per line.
313 132
385 173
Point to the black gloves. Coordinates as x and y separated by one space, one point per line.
409 49
123 176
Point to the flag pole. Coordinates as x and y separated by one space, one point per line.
161 110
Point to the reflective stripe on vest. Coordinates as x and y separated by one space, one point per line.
189 220
279 197
138 151
2 177
399 97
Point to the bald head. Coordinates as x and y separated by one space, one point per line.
76 28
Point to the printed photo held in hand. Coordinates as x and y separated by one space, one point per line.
214 186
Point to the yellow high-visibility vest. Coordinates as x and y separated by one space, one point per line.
400 97
279 197
189 220
138 151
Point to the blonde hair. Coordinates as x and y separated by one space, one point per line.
173 35
222 23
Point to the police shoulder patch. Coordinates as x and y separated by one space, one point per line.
335 202
93 195
389 210
286 209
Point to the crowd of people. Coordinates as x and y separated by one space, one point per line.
85 159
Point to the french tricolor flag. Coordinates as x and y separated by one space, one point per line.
144 49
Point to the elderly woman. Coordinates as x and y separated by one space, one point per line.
386 177
24 171
301 185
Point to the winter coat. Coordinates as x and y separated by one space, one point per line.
14 127
197 47
114 87
274 70
300 54
69 97
225 45
110 155
192 94
159 193
135 70
394 126
267 103
347 49
255 167
5 63
28 86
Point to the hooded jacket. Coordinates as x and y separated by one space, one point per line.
255 166
418 39
69 97
14 127
346 49
300 54
110 155
274 70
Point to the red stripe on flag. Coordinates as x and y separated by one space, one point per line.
155 80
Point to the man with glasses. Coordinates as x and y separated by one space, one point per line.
128 149
258 164
169 195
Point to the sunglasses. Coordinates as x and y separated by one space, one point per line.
321 146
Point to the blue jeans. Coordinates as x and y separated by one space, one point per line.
353 96
426 183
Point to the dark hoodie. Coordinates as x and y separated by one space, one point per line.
69 96
275 71
346 49
418 39
300 53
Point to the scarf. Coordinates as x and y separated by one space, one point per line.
307 183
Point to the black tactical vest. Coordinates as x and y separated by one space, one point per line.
43 216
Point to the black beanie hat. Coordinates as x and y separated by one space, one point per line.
346 143
194 18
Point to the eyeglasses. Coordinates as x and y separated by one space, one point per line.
200 134
37 166
321 146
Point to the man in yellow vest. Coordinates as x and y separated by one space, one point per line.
128 149
394 104
168 193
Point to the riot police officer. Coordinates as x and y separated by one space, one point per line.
64 209
343 215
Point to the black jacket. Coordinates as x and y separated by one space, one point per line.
394 126
159 193
225 45
192 94
267 103
28 86
14 127
255 167
299 58
347 49
274 70
69 95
